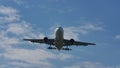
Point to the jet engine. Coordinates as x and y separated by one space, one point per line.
46 39
72 41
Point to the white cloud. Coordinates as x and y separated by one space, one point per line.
64 56
117 37
75 31
15 64
19 28
7 10
12 33
41 35
31 56
19 2
88 64
8 41
91 27
22 29
3 66
8 14
28 65
34 57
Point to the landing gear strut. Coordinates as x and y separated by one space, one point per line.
67 48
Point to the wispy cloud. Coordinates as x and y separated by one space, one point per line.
37 57
8 14
19 2
117 36
19 28
33 56
87 64
75 31
12 32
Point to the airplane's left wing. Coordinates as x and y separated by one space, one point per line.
46 41
83 43
77 43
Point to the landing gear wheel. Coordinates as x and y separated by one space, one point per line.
49 47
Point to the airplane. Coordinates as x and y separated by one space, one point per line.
59 42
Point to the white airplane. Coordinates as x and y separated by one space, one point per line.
58 42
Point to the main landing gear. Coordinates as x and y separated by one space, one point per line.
50 47
66 48
61 49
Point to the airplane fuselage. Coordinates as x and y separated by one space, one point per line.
59 39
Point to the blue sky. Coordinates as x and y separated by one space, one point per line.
83 20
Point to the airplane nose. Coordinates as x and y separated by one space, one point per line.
60 28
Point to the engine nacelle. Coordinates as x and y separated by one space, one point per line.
72 41
46 39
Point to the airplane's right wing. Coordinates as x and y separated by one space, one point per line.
46 41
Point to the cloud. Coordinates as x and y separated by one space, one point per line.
33 56
37 57
75 31
8 41
19 2
8 14
19 28
16 64
117 37
91 27
12 32
87 64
